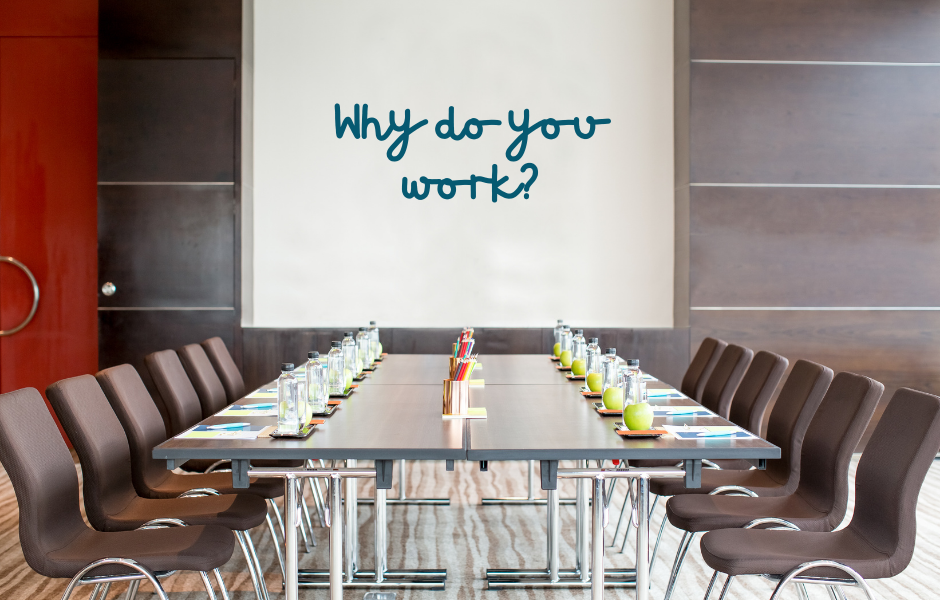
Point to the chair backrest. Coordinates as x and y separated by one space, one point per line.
724 380
204 379
830 440
100 443
43 477
791 415
179 397
139 417
891 472
225 368
701 367
756 389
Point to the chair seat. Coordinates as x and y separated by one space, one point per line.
753 552
238 512
648 463
759 482
170 549
696 512
175 484
733 464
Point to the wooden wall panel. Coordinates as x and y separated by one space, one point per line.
663 352
167 120
815 247
827 124
170 29
167 245
826 30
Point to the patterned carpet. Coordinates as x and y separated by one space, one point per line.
466 539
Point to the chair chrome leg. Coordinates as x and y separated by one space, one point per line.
254 557
623 510
711 585
793 573
254 569
659 538
277 515
724 590
277 542
306 512
208 585
801 591
222 588
146 573
684 544
131 591
630 521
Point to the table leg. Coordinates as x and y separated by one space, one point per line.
584 517
553 526
381 547
522 501
643 538
290 538
352 526
402 497
597 562
336 541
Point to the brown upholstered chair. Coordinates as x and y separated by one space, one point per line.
56 541
111 502
701 367
820 499
225 368
723 382
204 379
878 542
179 397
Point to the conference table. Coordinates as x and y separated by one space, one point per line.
533 413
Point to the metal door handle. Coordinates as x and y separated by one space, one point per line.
32 311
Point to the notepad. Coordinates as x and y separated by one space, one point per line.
202 432
267 394
681 411
666 393
692 432
237 410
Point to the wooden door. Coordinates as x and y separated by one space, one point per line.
48 207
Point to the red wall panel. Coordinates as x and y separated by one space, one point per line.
48 18
48 207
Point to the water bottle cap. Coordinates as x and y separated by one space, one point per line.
371 322
610 351
363 329
567 328
633 362
349 334
560 321
313 354
579 332
593 340
287 367
337 344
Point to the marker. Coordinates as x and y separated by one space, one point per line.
229 426
718 434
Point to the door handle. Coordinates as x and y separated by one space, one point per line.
32 311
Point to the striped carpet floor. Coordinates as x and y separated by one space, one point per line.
466 539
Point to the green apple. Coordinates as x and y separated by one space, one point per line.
595 381
380 348
578 366
566 358
556 349
613 398
349 379
638 417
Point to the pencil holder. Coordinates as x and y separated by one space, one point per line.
456 397
454 364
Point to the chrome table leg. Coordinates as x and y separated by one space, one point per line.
351 526
381 547
336 540
643 538
290 538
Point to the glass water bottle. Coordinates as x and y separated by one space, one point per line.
290 405
631 383
336 366
364 348
592 358
578 346
610 368
376 344
350 355
317 385
565 339
558 329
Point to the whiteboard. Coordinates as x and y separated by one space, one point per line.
335 242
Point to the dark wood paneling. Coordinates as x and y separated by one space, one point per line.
815 247
664 352
166 120
829 30
167 245
170 29
897 348
754 123
129 336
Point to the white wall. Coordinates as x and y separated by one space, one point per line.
335 243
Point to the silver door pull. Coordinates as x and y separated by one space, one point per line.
108 289
32 311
